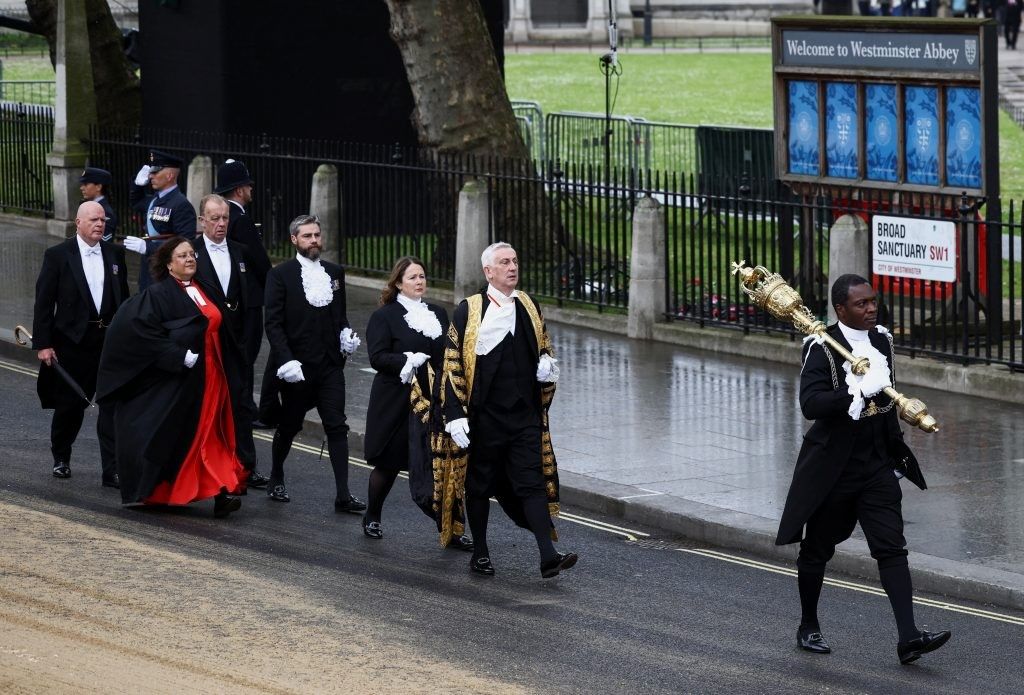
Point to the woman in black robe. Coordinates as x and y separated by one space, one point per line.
163 367
405 339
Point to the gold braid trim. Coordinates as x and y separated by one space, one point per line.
547 393
420 403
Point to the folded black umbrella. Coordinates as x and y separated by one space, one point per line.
21 330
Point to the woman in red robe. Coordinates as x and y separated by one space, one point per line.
163 364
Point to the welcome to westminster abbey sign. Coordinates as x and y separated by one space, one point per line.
886 103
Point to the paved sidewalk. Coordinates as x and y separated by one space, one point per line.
703 444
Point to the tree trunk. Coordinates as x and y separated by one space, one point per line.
118 96
461 105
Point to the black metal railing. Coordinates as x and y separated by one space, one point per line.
572 224
28 91
26 132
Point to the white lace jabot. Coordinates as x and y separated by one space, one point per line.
419 317
316 283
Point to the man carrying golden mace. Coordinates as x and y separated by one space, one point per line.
853 456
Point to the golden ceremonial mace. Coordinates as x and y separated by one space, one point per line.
769 291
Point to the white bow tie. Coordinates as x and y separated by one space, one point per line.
218 247
92 251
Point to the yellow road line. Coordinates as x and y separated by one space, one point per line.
18 368
854 586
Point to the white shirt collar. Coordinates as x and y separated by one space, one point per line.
407 302
852 334
305 262
83 247
210 242
500 296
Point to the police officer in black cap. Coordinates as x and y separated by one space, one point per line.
235 184
164 207
95 183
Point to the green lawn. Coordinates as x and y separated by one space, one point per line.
27 67
693 88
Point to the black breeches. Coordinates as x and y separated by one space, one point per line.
874 501
498 453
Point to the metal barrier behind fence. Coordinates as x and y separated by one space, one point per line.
531 124
28 91
26 132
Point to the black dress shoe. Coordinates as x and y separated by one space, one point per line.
61 469
561 561
257 480
112 480
278 492
812 641
350 506
224 504
261 425
481 565
461 543
372 529
912 650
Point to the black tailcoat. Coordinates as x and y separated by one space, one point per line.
235 301
388 337
828 443
297 330
64 308
241 229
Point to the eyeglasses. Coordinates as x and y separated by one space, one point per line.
184 256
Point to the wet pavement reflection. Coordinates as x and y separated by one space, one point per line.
687 428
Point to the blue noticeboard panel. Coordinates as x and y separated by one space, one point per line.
803 145
963 136
921 114
881 134
841 123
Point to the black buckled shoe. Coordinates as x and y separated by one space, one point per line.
257 480
481 565
112 480
813 641
278 492
372 529
349 506
561 561
464 543
61 469
224 504
912 650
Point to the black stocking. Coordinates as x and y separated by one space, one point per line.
809 584
380 485
279 452
477 511
537 516
897 585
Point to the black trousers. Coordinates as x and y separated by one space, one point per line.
505 449
871 497
324 389
81 361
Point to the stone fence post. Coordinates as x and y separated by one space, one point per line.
849 251
471 237
200 182
325 203
647 269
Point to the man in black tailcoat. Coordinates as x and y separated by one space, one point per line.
94 184
849 468
221 266
235 184
310 339
165 209
80 286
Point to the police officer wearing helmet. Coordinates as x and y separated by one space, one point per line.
95 183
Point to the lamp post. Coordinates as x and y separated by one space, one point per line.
648 34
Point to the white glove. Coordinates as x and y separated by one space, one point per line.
547 369
459 430
291 372
349 341
134 243
142 178
876 379
190 359
413 361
